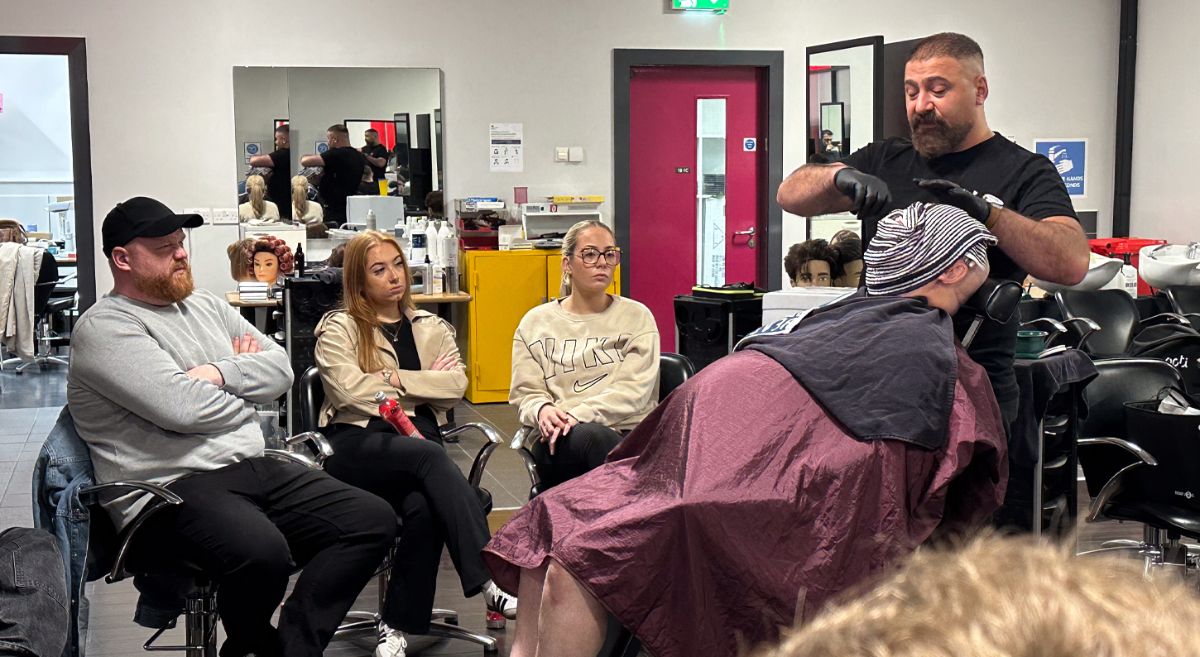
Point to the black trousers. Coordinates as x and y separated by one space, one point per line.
436 505
248 526
583 448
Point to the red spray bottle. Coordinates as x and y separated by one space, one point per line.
390 410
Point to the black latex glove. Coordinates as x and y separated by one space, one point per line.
951 193
870 194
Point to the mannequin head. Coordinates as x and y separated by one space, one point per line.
239 264
848 246
811 264
268 258
11 230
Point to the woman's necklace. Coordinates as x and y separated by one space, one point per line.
393 334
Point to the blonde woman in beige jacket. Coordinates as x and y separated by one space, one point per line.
379 342
585 366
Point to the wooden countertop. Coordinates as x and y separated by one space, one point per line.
235 300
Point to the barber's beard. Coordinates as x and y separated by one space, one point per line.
933 136
172 287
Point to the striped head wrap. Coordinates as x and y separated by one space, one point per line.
914 245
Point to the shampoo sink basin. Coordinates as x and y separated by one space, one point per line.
1101 271
1170 264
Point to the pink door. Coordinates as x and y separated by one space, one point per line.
695 189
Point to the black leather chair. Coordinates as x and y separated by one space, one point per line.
311 395
673 371
1119 472
1115 314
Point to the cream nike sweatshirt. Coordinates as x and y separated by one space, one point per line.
600 368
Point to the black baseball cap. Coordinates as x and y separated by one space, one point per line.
142 217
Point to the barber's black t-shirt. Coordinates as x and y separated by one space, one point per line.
343 171
377 150
279 185
1026 182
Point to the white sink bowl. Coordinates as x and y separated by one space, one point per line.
1165 265
1101 271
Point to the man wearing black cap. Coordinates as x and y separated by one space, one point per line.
954 157
163 383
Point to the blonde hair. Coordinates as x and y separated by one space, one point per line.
1007 597
12 230
239 264
299 195
354 293
256 187
571 240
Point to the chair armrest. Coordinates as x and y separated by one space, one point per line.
1052 327
523 438
162 498
1110 488
494 440
146 487
316 441
1131 447
294 457
1163 318
1083 327
490 432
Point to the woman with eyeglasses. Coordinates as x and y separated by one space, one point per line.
585 365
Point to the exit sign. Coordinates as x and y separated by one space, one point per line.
718 6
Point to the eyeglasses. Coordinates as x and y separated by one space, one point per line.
591 256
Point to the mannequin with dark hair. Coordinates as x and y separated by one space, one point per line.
812 264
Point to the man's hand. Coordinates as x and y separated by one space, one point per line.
246 344
207 372
870 194
554 423
951 193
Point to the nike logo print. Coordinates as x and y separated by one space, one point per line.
580 387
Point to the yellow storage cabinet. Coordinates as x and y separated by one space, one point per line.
503 286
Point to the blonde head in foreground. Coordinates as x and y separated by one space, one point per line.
1007 597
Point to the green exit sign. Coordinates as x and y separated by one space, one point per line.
718 6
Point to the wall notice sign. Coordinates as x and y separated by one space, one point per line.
251 148
750 144
506 147
321 147
1069 157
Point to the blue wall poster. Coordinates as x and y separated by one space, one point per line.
1069 157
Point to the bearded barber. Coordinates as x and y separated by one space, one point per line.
955 158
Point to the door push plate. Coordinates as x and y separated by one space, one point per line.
683 169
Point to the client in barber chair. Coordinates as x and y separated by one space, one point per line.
380 343
779 476
584 366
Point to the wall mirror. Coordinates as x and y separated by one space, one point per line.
844 93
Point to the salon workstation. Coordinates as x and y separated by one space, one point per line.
658 327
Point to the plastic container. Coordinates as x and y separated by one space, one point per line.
1119 248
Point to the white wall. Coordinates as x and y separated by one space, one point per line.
1165 138
160 74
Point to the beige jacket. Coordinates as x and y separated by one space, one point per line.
350 392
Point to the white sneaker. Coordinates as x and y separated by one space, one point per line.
391 642
500 606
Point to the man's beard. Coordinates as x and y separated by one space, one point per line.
933 136
172 287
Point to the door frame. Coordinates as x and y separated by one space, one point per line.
624 61
81 148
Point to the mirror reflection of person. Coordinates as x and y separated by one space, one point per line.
811 264
257 208
376 153
279 161
306 212
1017 194
343 170
828 145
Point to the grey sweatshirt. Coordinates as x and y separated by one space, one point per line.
140 413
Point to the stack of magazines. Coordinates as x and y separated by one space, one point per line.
254 291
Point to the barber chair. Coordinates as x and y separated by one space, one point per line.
1115 313
45 306
1124 479
200 604
673 371
1185 300
311 395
